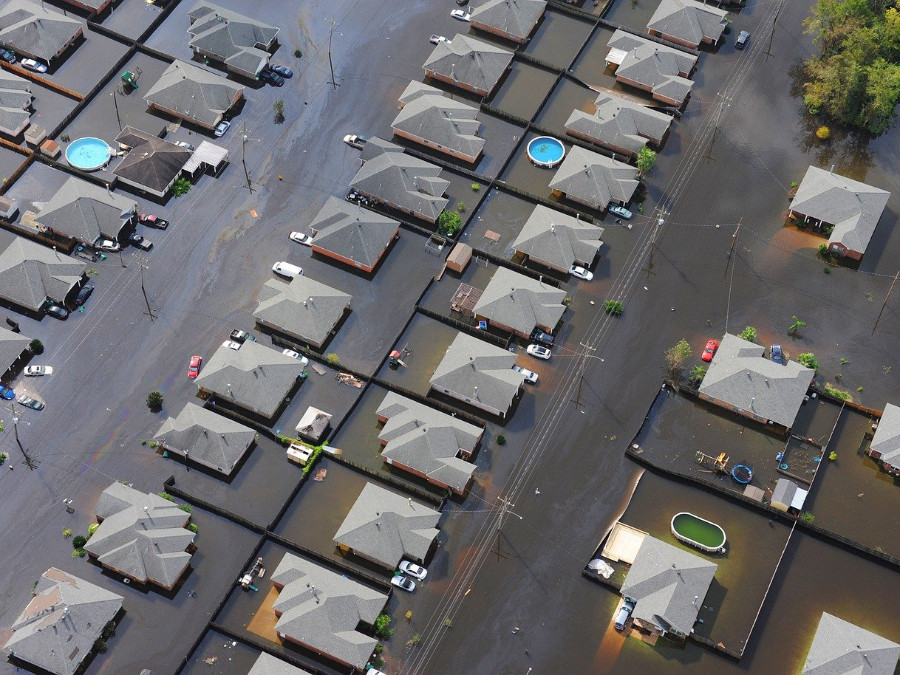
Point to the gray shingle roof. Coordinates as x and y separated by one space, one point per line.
255 377
740 376
595 179
194 93
886 440
559 240
239 41
64 619
520 302
322 609
269 665
668 585
384 526
516 18
28 28
31 273
11 347
689 21
427 113
394 177
304 308
352 232
15 99
86 212
208 438
427 440
151 162
142 536
654 65
476 369
620 123
469 61
842 648
853 208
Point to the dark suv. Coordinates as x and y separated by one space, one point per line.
540 337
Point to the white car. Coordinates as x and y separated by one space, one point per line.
403 583
301 238
231 344
221 128
460 14
581 273
294 355
531 377
31 64
538 352
109 245
437 39
620 211
285 269
37 371
413 570
185 145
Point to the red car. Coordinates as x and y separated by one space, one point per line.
194 367
710 350
151 220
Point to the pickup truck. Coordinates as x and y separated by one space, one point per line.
354 141
242 336
540 337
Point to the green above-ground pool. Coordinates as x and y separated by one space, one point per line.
698 532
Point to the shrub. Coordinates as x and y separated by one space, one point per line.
409 615
79 541
36 346
3 455
823 133
501 439
646 158
298 53
383 626
839 394
697 375
92 528
181 187
166 496
808 359
461 207
832 455
807 517
614 307
449 223
475 187
278 107
823 251
794 184
64 138
79 553
67 533
676 355
155 401
749 334
794 329
332 358
185 507
193 527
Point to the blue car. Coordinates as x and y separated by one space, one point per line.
6 393
777 355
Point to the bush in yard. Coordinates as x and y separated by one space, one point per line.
181 187
676 355
823 133
155 401
332 358
748 334
193 527
36 347
807 517
501 440
614 307
697 375
79 541
449 223
808 359
839 394
383 626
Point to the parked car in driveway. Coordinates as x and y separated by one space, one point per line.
413 570
355 141
531 377
581 272
31 64
296 355
267 75
138 241
620 211
194 366
221 128
776 354
242 336
437 39
108 245
83 294
56 311
29 402
151 220
742 40
709 351
185 145
624 612
285 269
284 71
537 335
6 393
231 344
38 371
7 55
538 352
460 14
301 238
403 583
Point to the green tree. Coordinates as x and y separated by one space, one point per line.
181 187
36 347
646 159
794 329
676 355
155 401
748 334
808 359
614 307
278 107
449 223
697 375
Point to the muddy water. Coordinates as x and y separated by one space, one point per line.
566 97
521 173
591 66
523 90
558 39
427 341
501 213
632 13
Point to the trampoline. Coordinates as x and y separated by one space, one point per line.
742 474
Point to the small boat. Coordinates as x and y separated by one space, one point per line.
742 473
698 532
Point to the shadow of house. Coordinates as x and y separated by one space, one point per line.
352 235
32 31
86 213
190 93
242 44
619 124
31 274
594 180
688 23
152 165
558 241
647 65
469 64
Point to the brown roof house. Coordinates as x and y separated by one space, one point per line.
353 235
401 181
303 309
385 527
152 165
427 443
141 536
30 30
620 124
557 240
851 208
63 622
31 274
240 42
885 445
438 122
86 213
469 64
193 94
688 23
323 611
843 648
594 180
480 374
519 304
647 65
511 19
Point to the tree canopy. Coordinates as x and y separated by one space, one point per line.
855 79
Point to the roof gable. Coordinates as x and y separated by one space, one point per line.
886 440
519 302
86 212
31 273
688 20
352 232
194 93
31 29
469 61
304 308
557 239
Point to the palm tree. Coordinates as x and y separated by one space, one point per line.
794 328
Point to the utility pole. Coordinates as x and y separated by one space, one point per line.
116 104
504 507
884 304
144 291
768 51
244 139
584 359
30 463
734 239
334 84
708 156
659 223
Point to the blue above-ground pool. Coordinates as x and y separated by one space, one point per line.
88 154
545 151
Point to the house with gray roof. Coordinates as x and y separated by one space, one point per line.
519 304
620 124
62 623
323 611
653 67
206 438
30 30
400 181
479 374
152 165
469 64
842 648
15 103
266 664
13 353
594 180
511 19
884 447
558 241
90 6
303 309
353 235
141 536
438 122
742 380
86 213
688 23
31 274
257 378
240 42
668 586
851 208
427 443
193 94
385 527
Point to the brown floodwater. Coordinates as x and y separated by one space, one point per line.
523 90
558 39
